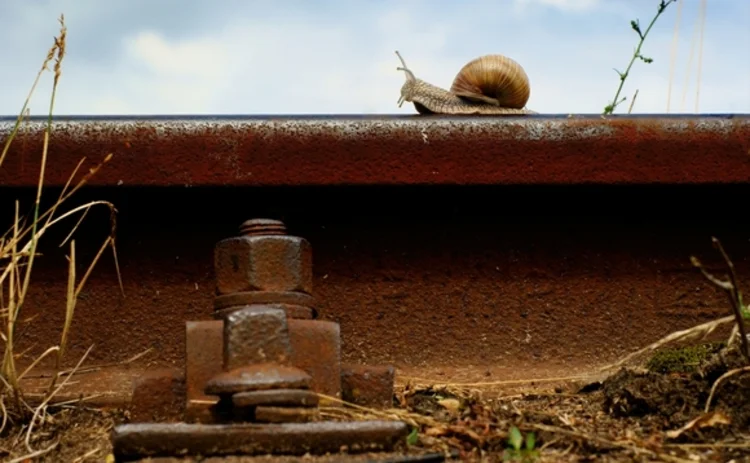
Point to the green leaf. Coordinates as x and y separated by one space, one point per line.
744 310
636 25
413 437
515 439
530 441
646 59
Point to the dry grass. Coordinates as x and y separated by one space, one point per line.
569 426
18 252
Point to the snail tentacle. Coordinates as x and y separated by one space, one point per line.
403 67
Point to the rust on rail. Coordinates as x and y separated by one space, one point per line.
369 150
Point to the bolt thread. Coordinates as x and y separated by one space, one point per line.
256 227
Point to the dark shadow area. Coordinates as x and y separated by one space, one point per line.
419 275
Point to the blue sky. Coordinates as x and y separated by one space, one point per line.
337 56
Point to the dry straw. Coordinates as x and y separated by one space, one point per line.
18 253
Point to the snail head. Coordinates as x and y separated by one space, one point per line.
407 89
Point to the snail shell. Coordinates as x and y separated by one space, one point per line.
493 79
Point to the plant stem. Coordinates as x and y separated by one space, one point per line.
731 288
610 108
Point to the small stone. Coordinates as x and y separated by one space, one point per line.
267 414
256 334
279 397
260 376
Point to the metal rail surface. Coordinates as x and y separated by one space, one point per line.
384 150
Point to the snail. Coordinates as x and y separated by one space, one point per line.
489 84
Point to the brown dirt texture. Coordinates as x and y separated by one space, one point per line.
632 415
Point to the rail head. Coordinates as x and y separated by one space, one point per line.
384 150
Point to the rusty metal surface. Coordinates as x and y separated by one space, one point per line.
292 310
368 385
158 395
257 376
278 397
263 262
256 334
135 440
366 150
204 359
316 348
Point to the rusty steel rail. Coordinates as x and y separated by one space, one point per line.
368 150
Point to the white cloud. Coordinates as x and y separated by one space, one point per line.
198 58
180 75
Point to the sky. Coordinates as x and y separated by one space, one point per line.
172 57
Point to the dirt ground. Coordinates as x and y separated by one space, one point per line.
654 414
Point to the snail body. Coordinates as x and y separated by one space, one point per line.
487 85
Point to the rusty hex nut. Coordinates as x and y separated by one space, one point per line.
264 259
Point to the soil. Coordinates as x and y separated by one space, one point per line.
632 415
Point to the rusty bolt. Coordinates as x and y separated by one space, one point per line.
256 334
263 258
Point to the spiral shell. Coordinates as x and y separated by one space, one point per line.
493 79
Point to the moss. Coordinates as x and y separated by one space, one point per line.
682 359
